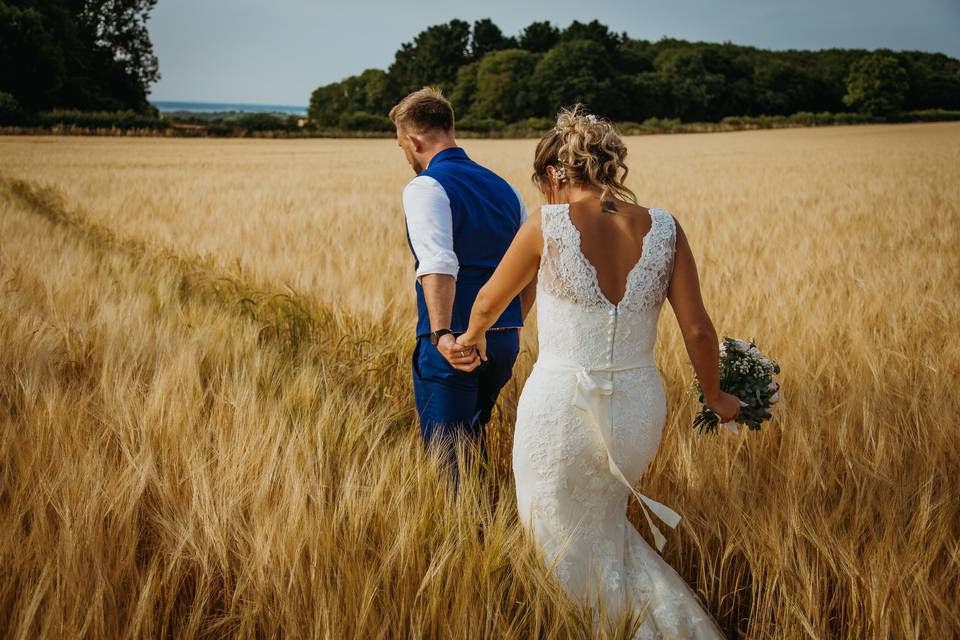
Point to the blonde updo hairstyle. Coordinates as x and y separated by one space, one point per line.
585 151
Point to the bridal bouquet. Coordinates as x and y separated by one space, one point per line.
748 374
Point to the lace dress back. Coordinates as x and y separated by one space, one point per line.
589 420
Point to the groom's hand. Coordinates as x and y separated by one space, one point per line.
460 357
478 345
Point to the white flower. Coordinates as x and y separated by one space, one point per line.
775 398
773 386
742 345
592 119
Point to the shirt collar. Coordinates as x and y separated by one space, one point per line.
449 153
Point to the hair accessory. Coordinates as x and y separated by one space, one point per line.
592 119
560 173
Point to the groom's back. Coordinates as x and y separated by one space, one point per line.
461 217
486 213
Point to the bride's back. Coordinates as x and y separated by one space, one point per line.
580 318
611 239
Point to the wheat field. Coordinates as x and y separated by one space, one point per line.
206 416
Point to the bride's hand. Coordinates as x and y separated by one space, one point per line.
726 406
479 343
459 357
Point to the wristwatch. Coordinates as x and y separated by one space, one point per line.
436 335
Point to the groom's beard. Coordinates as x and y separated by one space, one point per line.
414 163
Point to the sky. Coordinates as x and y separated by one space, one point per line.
278 52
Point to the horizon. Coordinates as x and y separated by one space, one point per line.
278 45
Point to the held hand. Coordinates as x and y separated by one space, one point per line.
478 344
460 357
726 406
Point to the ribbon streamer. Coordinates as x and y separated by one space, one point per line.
589 398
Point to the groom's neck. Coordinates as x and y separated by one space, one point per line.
441 143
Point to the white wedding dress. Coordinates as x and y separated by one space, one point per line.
589 421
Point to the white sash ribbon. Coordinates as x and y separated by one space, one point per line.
589 397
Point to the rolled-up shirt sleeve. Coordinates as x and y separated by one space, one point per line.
430 225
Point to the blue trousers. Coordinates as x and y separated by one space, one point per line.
453 404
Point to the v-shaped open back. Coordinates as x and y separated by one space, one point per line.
566 272
592 268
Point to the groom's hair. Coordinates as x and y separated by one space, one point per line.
423 111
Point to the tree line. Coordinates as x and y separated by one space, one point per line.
88 55
90 64
493 79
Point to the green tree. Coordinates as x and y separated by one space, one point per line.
593 31
376 88
83 54
10 111
693 89
367 93
635 56
432 59
876 85
647 96
780 88
362 121
575 71
329 102
623 78
503 85
120 26
465 90
539 37
934 80
487 38
32 58
261 122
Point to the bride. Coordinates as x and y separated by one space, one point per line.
591 414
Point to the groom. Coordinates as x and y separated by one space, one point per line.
460 219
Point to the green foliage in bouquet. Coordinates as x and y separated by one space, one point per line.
748 374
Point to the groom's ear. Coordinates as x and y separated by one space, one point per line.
416 142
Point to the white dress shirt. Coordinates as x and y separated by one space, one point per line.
430 225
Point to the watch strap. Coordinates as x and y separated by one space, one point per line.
436 335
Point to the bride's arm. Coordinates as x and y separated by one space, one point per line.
699 334
517 269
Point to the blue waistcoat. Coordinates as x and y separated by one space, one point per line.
486 217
